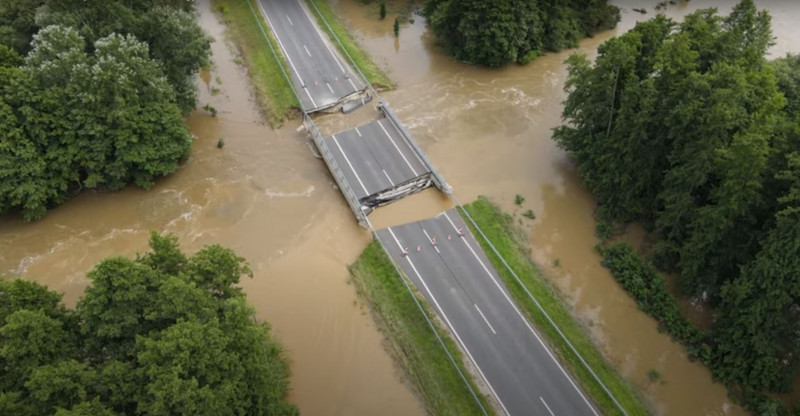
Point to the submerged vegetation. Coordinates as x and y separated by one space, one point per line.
250 33
495 32
164 334
92 95
688 128
499 229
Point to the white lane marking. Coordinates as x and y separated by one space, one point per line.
452 328
397 148
351 83
514 306
387 177
484 318
350 164
306 48
286 53
358 132
329 87
289 19
546 406
310 20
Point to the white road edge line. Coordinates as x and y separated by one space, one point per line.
513 305
397 148
310 20
546 406
289 19
350 164
484 318
296 73
307 51
452 328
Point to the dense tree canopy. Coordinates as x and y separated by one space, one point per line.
91 94
495 32
164 334
688 128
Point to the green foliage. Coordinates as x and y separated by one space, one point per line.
510 242
689 129
162 334
396 27
98 99
382 10
529 214
641 281
518 199
495 32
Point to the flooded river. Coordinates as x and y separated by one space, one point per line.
266 196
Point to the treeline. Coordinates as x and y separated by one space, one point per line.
164 334
496 32
689 129
92 95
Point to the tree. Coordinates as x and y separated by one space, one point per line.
164 334
688 128
75 120
496 32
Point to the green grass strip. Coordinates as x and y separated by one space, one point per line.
273 93
412 344
499 229
374 75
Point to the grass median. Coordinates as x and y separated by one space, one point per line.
412 344
500 230
335 28
248 31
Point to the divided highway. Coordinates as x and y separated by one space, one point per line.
379 162
321 78
447 265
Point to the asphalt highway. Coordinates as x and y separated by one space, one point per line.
446 264
375 157
320 76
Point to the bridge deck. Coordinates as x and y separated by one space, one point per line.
375 157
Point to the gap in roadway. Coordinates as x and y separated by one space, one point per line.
420 206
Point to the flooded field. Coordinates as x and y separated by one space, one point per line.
268 197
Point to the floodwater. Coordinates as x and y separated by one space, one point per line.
489 133
266 196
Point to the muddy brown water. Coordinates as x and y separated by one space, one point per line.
266 196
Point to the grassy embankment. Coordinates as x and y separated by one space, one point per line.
411 341
374 75
273 93
500 230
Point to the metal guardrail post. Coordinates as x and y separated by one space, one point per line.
438 180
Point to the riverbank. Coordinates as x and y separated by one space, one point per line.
509 242
330 22
411 343
248 31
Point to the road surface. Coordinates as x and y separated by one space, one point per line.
462 286
321 78
375 157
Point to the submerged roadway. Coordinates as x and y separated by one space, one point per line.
321 78
447 265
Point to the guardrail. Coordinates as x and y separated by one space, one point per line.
358 210
438 180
